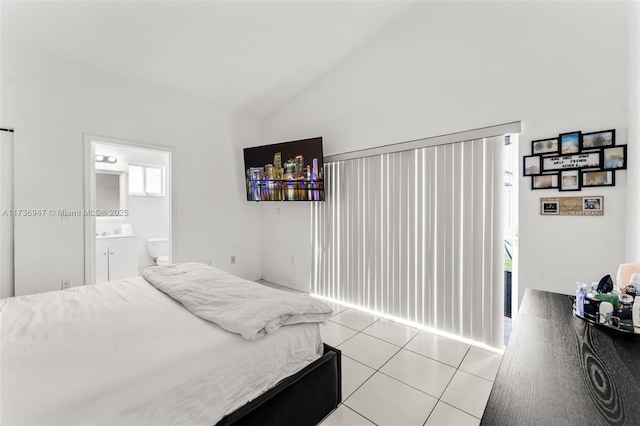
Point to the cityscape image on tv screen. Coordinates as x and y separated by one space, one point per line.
288 171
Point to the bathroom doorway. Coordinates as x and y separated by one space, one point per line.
128 207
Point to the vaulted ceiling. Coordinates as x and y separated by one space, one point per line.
245 57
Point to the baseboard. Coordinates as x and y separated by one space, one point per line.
293 287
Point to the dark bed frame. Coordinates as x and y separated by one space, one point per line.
303 399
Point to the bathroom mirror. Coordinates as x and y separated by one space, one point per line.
110 192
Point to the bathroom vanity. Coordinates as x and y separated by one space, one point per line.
559 369
116 257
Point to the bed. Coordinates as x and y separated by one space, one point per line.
126 353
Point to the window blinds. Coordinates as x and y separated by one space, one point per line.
417 235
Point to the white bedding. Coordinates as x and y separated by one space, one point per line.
235 304
152 363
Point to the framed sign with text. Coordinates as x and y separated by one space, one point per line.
572 206
590 160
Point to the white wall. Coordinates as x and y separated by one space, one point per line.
454 66
149 216
633 190
286 236
52 102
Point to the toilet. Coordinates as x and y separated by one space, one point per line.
159 250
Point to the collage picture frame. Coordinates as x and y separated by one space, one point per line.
575 160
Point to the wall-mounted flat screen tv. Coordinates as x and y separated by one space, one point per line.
287 171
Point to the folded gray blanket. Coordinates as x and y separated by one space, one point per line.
235 304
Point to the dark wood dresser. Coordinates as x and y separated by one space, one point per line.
560 370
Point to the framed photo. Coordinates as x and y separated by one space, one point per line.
592 204
544 181
569 180
549 207
544 146
598 178
531 165
570 142
600 139
614 158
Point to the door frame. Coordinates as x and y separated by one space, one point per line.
7 245
90 195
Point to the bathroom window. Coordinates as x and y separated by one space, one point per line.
146 180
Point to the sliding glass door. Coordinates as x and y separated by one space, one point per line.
417 234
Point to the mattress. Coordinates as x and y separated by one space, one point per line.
125 353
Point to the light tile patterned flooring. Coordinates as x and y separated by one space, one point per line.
397 375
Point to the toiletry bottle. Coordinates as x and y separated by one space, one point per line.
634 285
591 303
636 312
606 311
581 293
625 312
591 308
611 298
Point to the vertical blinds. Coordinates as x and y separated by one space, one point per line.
417 235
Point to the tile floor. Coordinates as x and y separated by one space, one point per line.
397 375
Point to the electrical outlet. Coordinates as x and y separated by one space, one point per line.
233 259
66 284
292 260
209 262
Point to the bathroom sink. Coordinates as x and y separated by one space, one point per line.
100 237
